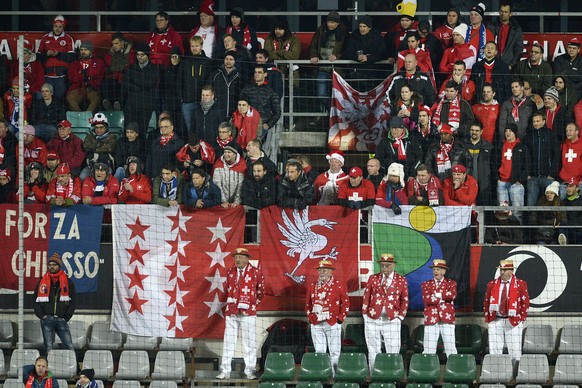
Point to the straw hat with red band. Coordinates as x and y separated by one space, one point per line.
325 264
386 258
506 264
241 251
439 263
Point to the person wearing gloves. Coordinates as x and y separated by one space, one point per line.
391 192
327 184
87 379
384 307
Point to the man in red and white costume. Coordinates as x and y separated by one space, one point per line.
327 307
438 295
384 307
64 190
506 305
245 287
327 183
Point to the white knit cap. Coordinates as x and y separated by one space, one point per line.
398 170
461 29
554 187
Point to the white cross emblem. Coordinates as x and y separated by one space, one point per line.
355 197
245 290
163 41
508 154
570 155
321 295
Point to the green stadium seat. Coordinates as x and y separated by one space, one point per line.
307 384
116 119
424 368
315 367
388 368
451 385
80 119
80 132
461 368
413 385
382 385
354 339
469 339
272 385
346 385
279 367
352 368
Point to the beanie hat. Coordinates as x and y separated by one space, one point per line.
512 127
553 92
459 168
142 47
398 170
479 8
232 53
554 187
132 126
29 130
87 44
89 373
60 19
207 7
333 16
56 258
238 12
366 19
461 29
231 149
337 155
396 122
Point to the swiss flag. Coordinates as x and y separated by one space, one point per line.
294 241
170 269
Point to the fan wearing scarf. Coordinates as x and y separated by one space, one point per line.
38 375
506 305
87 379
391 192
477 34
55 304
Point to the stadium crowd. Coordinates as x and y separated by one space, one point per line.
472 122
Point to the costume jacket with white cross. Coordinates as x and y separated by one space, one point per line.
518 300
439 309
394 298
244 295
327 302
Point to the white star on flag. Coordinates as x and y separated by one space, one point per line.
219 231
180 269
215 306
180 295
180 244
179 320
216 281
217 256
182 219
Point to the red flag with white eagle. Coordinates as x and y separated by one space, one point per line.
294 241
357 120
170 269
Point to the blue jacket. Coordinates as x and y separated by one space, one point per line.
209 194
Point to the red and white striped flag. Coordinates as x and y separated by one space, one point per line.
357 120
170 268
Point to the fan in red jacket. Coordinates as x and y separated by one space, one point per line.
384 307
506 305
136 187
438 295
327 184
327 307
34 148
487 113
100 188
15 108
85 77
391 192
460 189
64 190
162 40
460 51
207 29
247 121
68 147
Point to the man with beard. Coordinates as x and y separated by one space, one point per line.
327 183
259 190
295 190
85 76
443 155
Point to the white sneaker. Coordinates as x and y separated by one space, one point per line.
562 239
223 376
251 376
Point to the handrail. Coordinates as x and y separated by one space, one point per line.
319 14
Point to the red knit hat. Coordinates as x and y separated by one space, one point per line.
207 7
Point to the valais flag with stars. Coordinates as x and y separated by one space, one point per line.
170 269
357 120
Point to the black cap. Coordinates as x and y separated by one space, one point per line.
89 373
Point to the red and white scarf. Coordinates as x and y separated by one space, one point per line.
515 109
223 143
246 35
550 117
454 112
44 287
400 147
47 384
165 139
277 44
65 191
432 190
512 298
443 158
